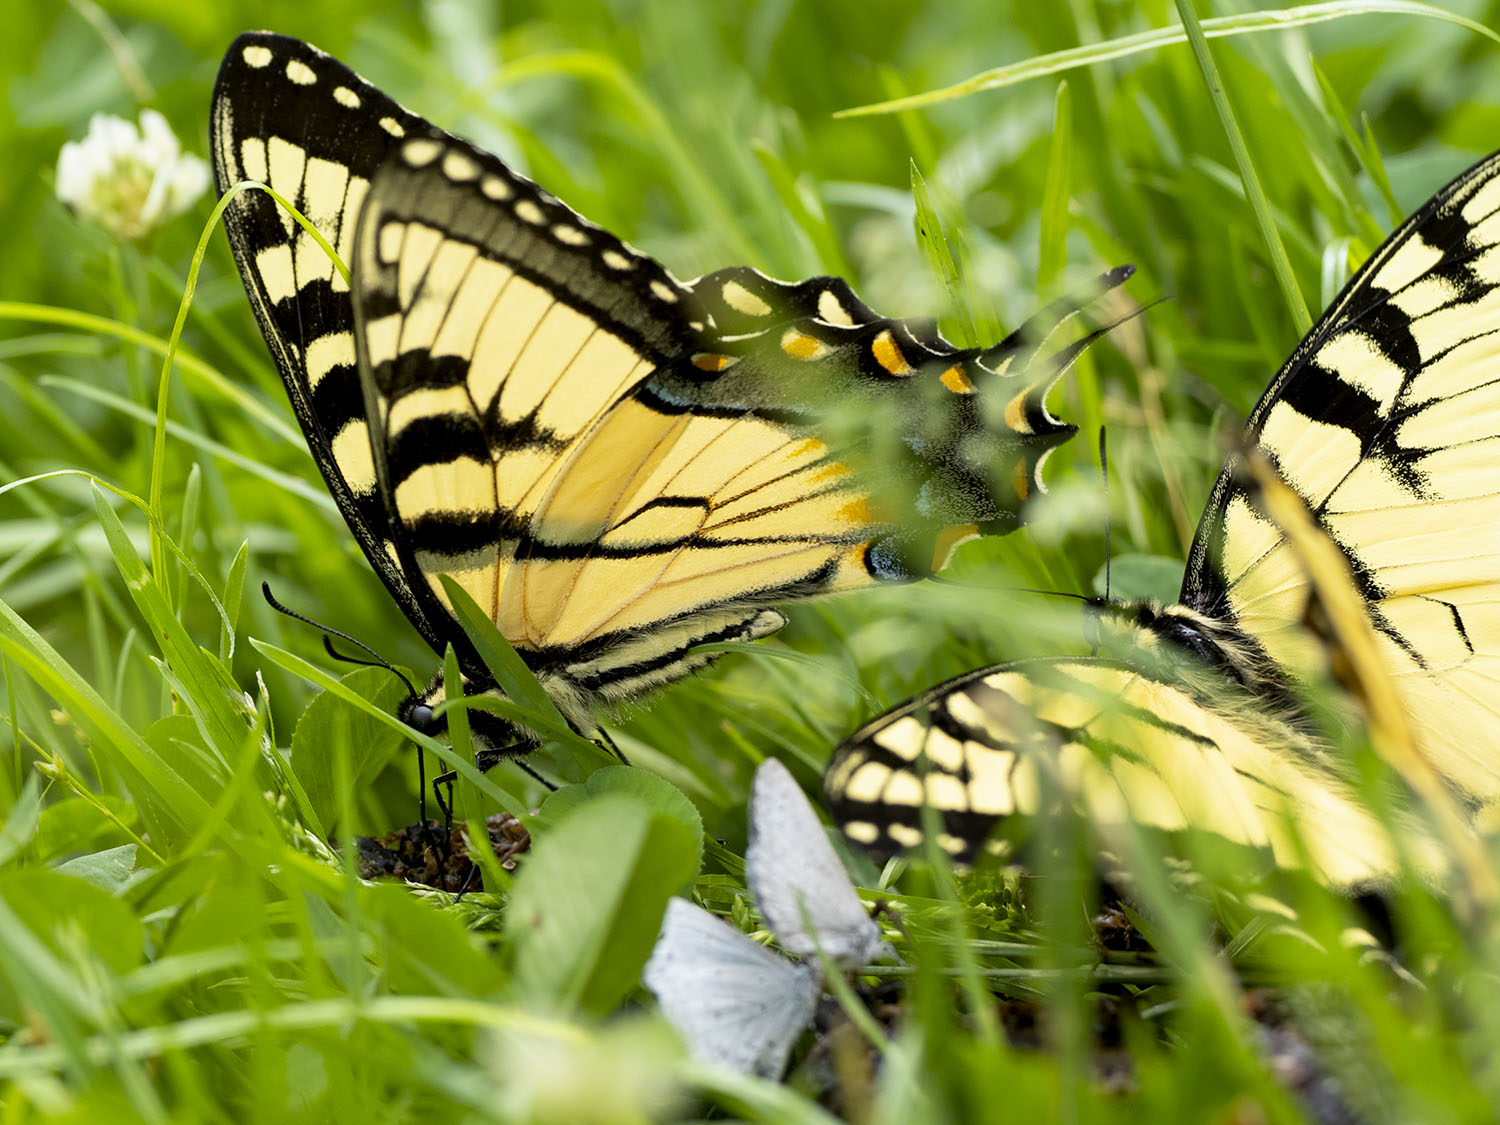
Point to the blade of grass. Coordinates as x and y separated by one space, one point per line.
167 796
210 376
939 255
1282 266
1218 28
1052 243
1368 156
313 493
805 207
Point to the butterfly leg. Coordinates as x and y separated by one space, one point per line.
468 884
608 743
485 760
445 805
440 845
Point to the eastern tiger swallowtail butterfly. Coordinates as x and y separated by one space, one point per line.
735 1002
618 466
1385 422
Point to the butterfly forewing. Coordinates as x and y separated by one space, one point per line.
289 116
496 328
1386 421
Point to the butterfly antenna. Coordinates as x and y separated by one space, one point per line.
938 579
376 661
1048 593
329 632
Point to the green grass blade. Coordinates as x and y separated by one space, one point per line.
1126 46
939 255
1052 248
1282 266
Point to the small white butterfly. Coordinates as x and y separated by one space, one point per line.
797 878
735 1003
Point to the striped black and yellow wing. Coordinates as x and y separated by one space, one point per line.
617 465
288 116
1385 424
1125 747
563 428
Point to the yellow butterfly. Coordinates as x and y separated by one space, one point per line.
617 466
1385 425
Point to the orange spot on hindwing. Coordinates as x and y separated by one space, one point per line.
799 345
948 540
888 355
957 381
857 513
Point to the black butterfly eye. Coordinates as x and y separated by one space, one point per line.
420 717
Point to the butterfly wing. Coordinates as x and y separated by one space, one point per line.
559 425
797 879
1123 747
1386 422
289 116
495 327
734 1003
618 466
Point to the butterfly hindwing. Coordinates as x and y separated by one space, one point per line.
744 301
1117 743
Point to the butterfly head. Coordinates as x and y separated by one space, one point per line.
495 737
1216 643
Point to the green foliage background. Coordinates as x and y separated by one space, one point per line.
174 945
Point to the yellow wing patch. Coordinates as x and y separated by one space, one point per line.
1386 423
1125 749
711 510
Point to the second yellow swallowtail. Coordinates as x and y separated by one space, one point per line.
1385 421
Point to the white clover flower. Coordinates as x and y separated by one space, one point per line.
127 180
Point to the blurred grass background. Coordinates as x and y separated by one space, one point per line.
705 134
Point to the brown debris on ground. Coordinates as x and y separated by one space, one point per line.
420 854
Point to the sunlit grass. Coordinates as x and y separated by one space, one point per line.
178 939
